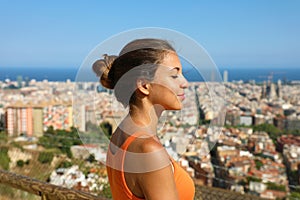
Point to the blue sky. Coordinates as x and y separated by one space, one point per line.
236 34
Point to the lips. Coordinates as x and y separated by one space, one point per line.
181 96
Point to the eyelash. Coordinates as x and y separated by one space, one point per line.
174 76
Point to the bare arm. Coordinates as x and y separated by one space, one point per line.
157 182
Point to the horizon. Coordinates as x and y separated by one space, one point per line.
218 67
192 74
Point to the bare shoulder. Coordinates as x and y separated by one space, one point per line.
150 163
146 154
149 144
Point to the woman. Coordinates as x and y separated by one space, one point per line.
147 77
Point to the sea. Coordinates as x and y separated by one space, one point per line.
74 74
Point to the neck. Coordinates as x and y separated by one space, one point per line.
143 117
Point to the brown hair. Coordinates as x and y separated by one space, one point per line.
142 53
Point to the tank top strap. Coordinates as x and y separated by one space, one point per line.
131 138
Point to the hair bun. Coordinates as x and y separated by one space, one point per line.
102 67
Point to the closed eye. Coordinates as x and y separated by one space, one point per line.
177 69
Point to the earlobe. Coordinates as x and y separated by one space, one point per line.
143 86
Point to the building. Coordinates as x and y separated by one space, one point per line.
271 91
37 115
279 89
225 76
291 156
32 120
287 140
279 122
259 119
19 120
246 120
58 116
232 118
292 123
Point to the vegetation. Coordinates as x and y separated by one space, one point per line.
60 139
3 137
295 132
293 177
20 163
294 195
27 162
258 164
273 131
274 186
17 145
203 122
4 158
254 179
64 164
106 128
106 192
45 157
91 158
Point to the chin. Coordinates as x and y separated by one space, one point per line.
177 107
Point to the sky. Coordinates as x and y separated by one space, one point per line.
235 33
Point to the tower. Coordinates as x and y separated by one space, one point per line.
19 80
225 76
279 89
264 90
272 91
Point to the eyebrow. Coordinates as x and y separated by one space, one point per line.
177 68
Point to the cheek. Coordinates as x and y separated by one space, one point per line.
167 84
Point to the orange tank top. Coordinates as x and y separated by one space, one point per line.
120 191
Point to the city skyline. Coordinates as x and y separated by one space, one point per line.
235 34
256 117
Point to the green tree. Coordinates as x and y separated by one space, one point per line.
254 179
91 158
27 162
106 128
274 186
293 177
45 157
294 195
64 164
258 164
20 163
51 130
4 158
60 139
273 131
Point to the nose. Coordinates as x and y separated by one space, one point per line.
184 83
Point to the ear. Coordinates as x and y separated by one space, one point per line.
143 86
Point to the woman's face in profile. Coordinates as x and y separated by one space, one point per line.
169 83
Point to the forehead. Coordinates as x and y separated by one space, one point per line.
171 60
